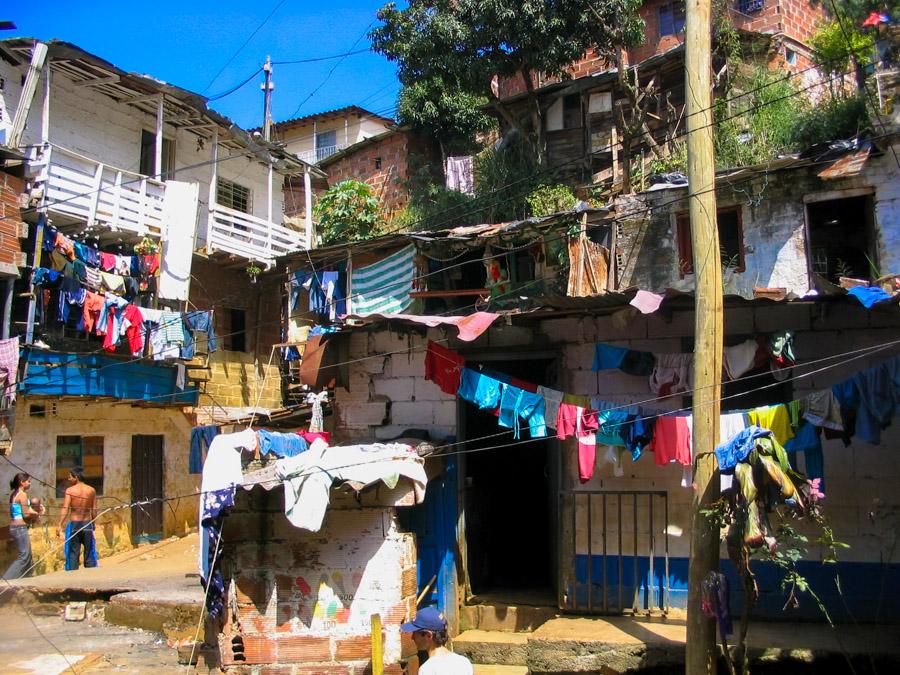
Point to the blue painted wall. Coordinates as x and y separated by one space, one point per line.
67 374
869 591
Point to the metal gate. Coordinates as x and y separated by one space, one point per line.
615 550
146 483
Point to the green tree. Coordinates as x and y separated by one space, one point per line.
854 12
347 212
448 51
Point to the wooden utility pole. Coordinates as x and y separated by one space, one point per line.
700 656
267 88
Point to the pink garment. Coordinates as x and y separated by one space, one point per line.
107 262
573 420
646 302
672 440
470 327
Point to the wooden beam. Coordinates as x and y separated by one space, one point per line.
112 79
158 149
38 57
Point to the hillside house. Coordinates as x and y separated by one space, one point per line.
139 195
607 531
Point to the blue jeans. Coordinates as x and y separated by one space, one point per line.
21 566
80 534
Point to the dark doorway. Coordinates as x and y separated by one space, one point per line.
510 495
842 238
146 483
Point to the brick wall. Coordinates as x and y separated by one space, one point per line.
388 181
305 599
797 19
10 219
237 378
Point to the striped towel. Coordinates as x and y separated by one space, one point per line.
385 286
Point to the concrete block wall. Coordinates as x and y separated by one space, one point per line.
388 393
305 599
34 449
773 216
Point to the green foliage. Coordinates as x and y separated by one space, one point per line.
676 161
448 51
503 176
759 125
834 119
854 12
347 212
454 118
834 44
549 199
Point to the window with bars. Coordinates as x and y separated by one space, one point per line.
671 18
79 452
233 196
750 6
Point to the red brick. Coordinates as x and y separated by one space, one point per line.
259 650
408 582
303 649
276 670
353 648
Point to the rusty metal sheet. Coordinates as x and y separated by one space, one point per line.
847 166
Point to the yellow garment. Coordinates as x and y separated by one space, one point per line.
112 282
776 419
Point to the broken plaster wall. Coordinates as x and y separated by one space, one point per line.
34 449
773 214
308 598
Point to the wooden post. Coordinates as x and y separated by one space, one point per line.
377 652
211 201
700 654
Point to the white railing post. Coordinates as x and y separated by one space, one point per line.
307 196
158 150
117 201
211 201
95 197
142 208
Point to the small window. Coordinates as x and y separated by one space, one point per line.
750 6
790 56
671 18
148 155
79 452
377 163
233 196
35 410
731 241
235 335
326 144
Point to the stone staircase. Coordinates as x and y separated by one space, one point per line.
495 636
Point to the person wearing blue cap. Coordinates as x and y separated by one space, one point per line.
429 633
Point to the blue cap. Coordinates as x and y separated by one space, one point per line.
427 618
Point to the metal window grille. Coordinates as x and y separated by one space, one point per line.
234 196
750 6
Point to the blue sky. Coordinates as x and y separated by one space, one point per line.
186 43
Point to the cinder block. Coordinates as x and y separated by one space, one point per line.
413 412
445 413
680 324
610 330
561 330
410 364
396 388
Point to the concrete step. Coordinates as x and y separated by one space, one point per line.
503 617
493 648
481 669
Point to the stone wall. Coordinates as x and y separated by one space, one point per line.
34 449
305 599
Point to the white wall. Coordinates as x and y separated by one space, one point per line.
94 125
351 129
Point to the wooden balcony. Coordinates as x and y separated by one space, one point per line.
250 237
89 191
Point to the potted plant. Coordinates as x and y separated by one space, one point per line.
146 246
253 270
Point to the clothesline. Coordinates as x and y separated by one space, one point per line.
862 405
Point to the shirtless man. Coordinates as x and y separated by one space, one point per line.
79 505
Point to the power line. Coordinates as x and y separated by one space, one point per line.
236 87
324 58
245 43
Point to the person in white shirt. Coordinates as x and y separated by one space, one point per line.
429 632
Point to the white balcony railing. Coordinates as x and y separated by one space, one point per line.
250 237
88 190
322 152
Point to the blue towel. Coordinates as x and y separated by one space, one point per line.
479 389
808 442
200 437
608 357
869 295
517 403
281 445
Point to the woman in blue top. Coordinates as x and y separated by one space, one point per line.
20 510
